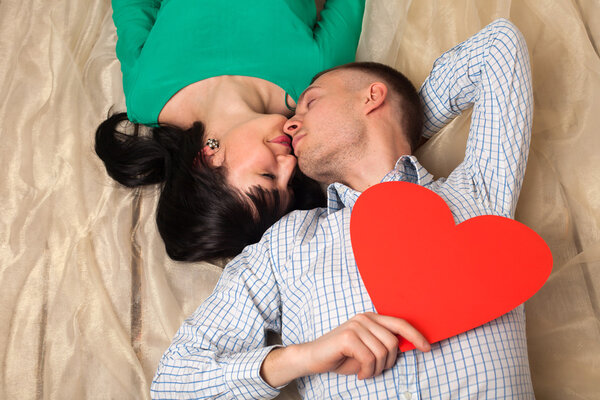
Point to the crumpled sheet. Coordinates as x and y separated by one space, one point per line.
89 300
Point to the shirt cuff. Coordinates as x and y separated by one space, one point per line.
242 375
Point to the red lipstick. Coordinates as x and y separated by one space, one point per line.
284 140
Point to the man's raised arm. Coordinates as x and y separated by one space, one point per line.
490 72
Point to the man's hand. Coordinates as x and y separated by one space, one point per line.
364 345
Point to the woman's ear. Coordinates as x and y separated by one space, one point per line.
213 156
208 152
376 96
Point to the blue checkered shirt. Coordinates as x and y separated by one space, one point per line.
301 279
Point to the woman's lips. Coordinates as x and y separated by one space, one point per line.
284 140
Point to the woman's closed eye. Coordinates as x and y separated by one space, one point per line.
269 176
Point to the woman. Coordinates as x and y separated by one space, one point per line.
216 81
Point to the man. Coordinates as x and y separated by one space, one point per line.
301 279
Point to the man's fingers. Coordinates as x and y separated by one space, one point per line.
365 345
404 329
372 355
384 335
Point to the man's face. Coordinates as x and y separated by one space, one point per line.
328 130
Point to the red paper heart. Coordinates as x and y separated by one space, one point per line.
442 278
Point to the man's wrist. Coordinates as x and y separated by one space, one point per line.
282 365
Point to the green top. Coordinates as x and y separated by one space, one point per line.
164 46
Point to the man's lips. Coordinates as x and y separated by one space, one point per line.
297 138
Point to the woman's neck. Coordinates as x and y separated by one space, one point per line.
221 100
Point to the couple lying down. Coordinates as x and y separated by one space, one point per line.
355 126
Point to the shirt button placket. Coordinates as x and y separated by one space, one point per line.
412 376
406 377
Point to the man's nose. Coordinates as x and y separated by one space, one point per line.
292 126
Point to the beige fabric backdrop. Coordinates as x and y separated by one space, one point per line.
88 299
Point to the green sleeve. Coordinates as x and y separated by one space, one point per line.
338 31
134 20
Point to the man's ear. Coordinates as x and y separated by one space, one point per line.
376 96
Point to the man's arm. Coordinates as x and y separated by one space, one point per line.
490 72
218 351
365 345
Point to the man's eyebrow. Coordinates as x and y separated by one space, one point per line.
308 89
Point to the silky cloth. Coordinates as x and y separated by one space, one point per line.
89 301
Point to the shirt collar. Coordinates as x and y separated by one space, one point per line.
407 169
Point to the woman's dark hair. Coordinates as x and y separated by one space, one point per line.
199 215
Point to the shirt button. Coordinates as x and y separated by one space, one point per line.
407 395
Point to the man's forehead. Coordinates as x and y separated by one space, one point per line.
344 78
326 80
330 80
335 75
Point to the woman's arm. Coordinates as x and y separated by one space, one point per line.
134 20
339 29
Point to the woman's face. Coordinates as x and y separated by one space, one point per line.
257 153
